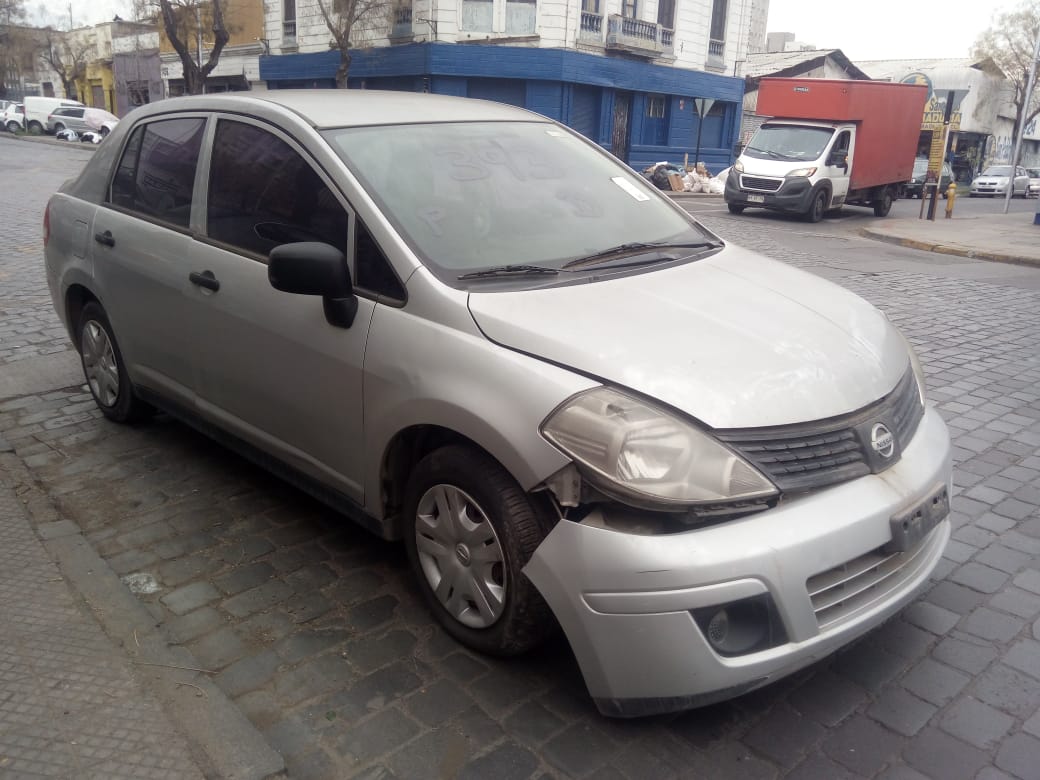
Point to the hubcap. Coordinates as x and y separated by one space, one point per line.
461 556
99 364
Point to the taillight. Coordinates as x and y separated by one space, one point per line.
46 224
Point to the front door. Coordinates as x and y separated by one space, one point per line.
839 174
270 367
619 134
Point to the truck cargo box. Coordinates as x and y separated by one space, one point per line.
888 118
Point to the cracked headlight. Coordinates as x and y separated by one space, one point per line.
647 456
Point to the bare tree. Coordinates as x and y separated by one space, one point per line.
184 20
1010 42
67 57
352 24
12 43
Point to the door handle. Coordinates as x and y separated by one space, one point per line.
205 279
105 238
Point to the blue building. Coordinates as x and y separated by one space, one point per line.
641 112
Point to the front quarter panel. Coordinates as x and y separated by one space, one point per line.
428 364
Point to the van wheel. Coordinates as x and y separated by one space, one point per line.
104 369
883 205
735 208
469 531
818 207
35 128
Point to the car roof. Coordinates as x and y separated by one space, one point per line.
325 108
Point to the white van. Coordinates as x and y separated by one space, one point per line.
37 109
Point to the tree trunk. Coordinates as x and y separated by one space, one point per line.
343 70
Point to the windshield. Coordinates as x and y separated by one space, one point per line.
789 142
481 195
997 170
920 167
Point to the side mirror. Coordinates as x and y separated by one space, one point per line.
315 268
839 158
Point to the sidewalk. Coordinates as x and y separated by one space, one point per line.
73 702
1005 238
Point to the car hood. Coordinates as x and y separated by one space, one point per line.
734 340
991 180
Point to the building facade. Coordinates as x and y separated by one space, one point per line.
624 73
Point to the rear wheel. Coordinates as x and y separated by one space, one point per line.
470 530
884 204
735 208
104 369
818 207
58 127
13 127
35 128
104 131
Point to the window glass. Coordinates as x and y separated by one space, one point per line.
262 193
156 174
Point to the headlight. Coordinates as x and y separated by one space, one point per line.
915 363
738 166
637 451
802 172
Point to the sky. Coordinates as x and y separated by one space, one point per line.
874 30
887 29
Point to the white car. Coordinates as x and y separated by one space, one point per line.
573 403
13 118
995 181
1034 182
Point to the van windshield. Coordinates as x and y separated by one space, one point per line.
469 196
789 142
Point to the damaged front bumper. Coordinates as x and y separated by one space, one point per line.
628 602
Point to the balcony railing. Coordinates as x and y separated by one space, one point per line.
402 27
716 48
638 37
591 28
289 31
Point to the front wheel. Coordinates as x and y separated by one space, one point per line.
470 529
13 127
104 369
35 128
735 208
884 204
818 207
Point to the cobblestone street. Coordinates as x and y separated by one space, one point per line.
313 629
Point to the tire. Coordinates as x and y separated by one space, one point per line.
513 617
818 207
13 127
884 205
58 127
34 128
735 208
104 131
104 369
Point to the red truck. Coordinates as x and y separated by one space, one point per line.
829 143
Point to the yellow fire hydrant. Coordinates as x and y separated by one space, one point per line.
951 196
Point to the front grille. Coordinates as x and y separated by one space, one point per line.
806 456
839 593
760 183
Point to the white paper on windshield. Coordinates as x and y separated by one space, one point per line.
629 187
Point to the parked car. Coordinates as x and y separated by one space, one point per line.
81 119
915 187
994 181
13 118
1034 182
37 109
567 397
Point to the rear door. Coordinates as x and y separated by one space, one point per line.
142 249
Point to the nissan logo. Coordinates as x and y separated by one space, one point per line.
882 440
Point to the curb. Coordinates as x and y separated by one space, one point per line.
209 720
49 141
949 249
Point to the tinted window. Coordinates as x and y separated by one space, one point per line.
262 193
157 171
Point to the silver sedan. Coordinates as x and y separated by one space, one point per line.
996 179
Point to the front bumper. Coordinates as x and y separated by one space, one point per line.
794 195
625 600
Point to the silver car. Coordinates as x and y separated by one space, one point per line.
469 328
996 179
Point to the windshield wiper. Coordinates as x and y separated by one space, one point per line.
510 270
594 258
770 152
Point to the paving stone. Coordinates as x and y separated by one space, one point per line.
955 598
931 617
579 750
1003 558
984 579
508 761
901 711
1017 602
377 735
1015 509
376 691
190 597
862 746
868 665
245 577
1019 755
994 626
437 702
827 698
1025 656
248 674
463 667
968 656
939 755
976 722
1029 580
442 752
267 595
817 766
304 644
903 772
1008 690
784 736
532 723
312 678
218 649
186 628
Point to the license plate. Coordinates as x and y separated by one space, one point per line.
909 528
756 198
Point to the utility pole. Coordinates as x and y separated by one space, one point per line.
1026 101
